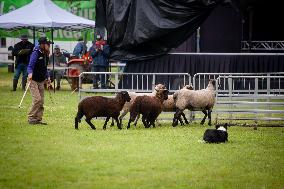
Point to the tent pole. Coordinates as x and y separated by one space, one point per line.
34 35
52 60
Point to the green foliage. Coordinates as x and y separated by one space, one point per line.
58 156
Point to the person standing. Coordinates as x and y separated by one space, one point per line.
22 52
38 74
59 61
80 48
100 53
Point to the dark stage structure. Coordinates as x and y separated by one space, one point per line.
195 36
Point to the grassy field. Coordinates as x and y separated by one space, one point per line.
58 156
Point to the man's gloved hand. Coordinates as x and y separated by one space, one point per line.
30 76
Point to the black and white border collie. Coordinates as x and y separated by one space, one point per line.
217 135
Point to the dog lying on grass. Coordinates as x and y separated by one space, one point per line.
218 135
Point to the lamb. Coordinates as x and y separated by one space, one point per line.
149 106
98 106
194 100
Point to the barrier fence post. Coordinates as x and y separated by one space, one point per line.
230 80
80 86
116 82
268 93
255 97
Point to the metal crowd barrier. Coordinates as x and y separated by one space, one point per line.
239 96
138 82
261 102
200 80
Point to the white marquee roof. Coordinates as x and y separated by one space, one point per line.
43 14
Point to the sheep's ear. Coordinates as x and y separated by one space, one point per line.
217 126
225 126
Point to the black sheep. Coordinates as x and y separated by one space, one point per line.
98 106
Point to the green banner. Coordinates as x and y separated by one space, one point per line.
83 8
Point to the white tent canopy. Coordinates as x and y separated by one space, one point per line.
43 14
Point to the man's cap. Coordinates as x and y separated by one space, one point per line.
44 40
56 47
24 37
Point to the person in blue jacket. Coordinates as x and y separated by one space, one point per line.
100 52
38 74
80 48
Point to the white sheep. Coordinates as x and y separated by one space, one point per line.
169 105
195 100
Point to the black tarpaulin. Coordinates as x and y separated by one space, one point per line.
142 29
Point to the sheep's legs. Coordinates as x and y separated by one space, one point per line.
180 120
136 119
153 124
112 122
76 122
104 127
88 120
145 123
176 117
204 118
209 117
132 118
128 125
117 122
122 116
78 118
185 120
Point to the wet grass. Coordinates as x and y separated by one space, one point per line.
58 156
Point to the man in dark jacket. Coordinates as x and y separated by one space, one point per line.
37 70
22 52
59 61
100 53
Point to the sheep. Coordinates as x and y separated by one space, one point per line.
169 105
98 106
133 96
193 100
149 106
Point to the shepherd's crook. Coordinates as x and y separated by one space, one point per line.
28 86
50 94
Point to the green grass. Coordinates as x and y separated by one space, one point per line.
58 156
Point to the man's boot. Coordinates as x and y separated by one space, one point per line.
24 82
15 83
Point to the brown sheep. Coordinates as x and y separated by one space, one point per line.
149 106
98 106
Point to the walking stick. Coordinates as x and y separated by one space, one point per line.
51 99
28 86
